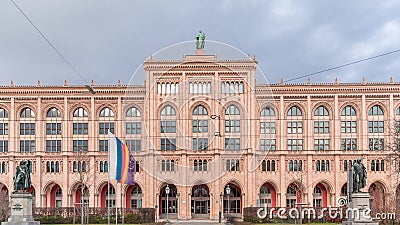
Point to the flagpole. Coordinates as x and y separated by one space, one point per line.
108 183
116 205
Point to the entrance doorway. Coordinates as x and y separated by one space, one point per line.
172 202
200 204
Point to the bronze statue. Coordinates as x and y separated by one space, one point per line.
359 176
200 40
22 177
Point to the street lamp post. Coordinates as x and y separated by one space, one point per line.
228 191
177 207
220 207
167 192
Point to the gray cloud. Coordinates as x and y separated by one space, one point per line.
107 40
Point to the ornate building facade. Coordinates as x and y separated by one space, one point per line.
200 125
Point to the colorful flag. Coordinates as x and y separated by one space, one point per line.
121 162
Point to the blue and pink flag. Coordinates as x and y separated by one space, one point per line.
122 164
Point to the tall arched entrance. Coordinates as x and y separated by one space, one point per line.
108 197
133 197
53 195
81 196
233 203
172 202
377 201
320 196
267 195
200 204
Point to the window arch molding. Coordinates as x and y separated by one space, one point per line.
104 107
269 183
235 104
273 107
165 104
324 104
6 111
200 103
50 107
300 106
344 105
76 107
396 110
21 108
129 107
382 107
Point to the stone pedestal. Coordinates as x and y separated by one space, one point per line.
21 210
357 210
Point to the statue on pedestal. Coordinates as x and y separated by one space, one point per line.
22 177
200 40
359 176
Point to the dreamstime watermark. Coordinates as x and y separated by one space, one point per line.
341 212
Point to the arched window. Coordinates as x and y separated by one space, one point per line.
263 165
290 165
375 110
267 111
168 111
321 111
348 111
106 112
398 111
373 165
27 113
110 196
200 110
3 167
348 128
58 197
377 165
268 165
291 196
199 127
136 197
52 167
195 165
294 111
343 190
133 112
382 165
273 165
53 112
80 112
317 198
48 166
204 165
53 128
3 113
133 129
322 165
232 110
321 127
327 166
345 165
317 165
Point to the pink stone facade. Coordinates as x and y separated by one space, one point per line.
201 124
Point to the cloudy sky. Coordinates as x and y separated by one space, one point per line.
107 40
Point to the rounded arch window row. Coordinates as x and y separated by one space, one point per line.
322 165
167 88
232 87
200 87
348 110
321 110
53 166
